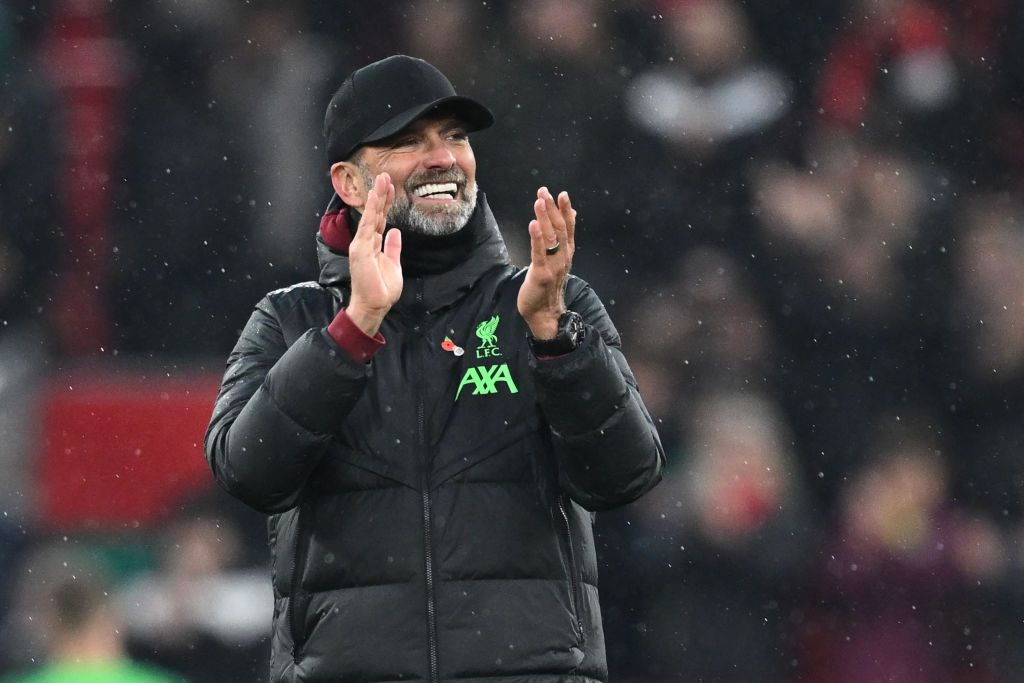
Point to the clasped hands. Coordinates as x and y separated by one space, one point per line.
376 269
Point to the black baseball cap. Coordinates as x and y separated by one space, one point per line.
382 98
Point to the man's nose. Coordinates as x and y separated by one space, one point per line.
439 156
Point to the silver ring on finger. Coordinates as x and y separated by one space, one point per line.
551 251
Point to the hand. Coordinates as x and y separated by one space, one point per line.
542 295
376 274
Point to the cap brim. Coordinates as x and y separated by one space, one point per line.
475 115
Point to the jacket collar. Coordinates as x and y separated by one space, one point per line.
433 291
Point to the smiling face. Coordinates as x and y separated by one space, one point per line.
432 166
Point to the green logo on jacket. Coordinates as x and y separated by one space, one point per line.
485 378
488 340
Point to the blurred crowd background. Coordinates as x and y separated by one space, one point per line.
805 217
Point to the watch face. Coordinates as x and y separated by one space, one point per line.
574 328
571 332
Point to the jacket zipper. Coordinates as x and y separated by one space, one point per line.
429 568
574 597
296 589
428 551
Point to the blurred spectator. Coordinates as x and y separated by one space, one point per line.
705 332
702 108
64 609
998 607
853 281
894 604
722 546
983 372
561 98
849 219
903 70
714 89
444 33
990 274
895 54
200 613
271 87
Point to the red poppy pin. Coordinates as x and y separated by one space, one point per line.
449 345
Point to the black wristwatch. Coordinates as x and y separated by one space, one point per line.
571 332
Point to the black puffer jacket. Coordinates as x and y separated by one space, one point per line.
429 510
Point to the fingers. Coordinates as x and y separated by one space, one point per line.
389 199
378 203
546 217
569 216
393 245
536 243
382 195
557 219
547 232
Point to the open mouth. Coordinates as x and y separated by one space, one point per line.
437 191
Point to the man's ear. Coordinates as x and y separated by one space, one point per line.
348 183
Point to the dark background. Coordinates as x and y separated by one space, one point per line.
806 219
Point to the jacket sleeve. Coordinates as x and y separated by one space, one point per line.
607 447
276 410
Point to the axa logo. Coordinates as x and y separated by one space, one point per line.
485 380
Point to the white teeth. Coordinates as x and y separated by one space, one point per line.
448 190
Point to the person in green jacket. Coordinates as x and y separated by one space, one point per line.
85 644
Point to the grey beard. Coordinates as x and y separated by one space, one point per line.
404 216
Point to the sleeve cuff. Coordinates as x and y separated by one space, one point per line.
352 340
545 358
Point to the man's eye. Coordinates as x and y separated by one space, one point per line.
405 142
458 135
